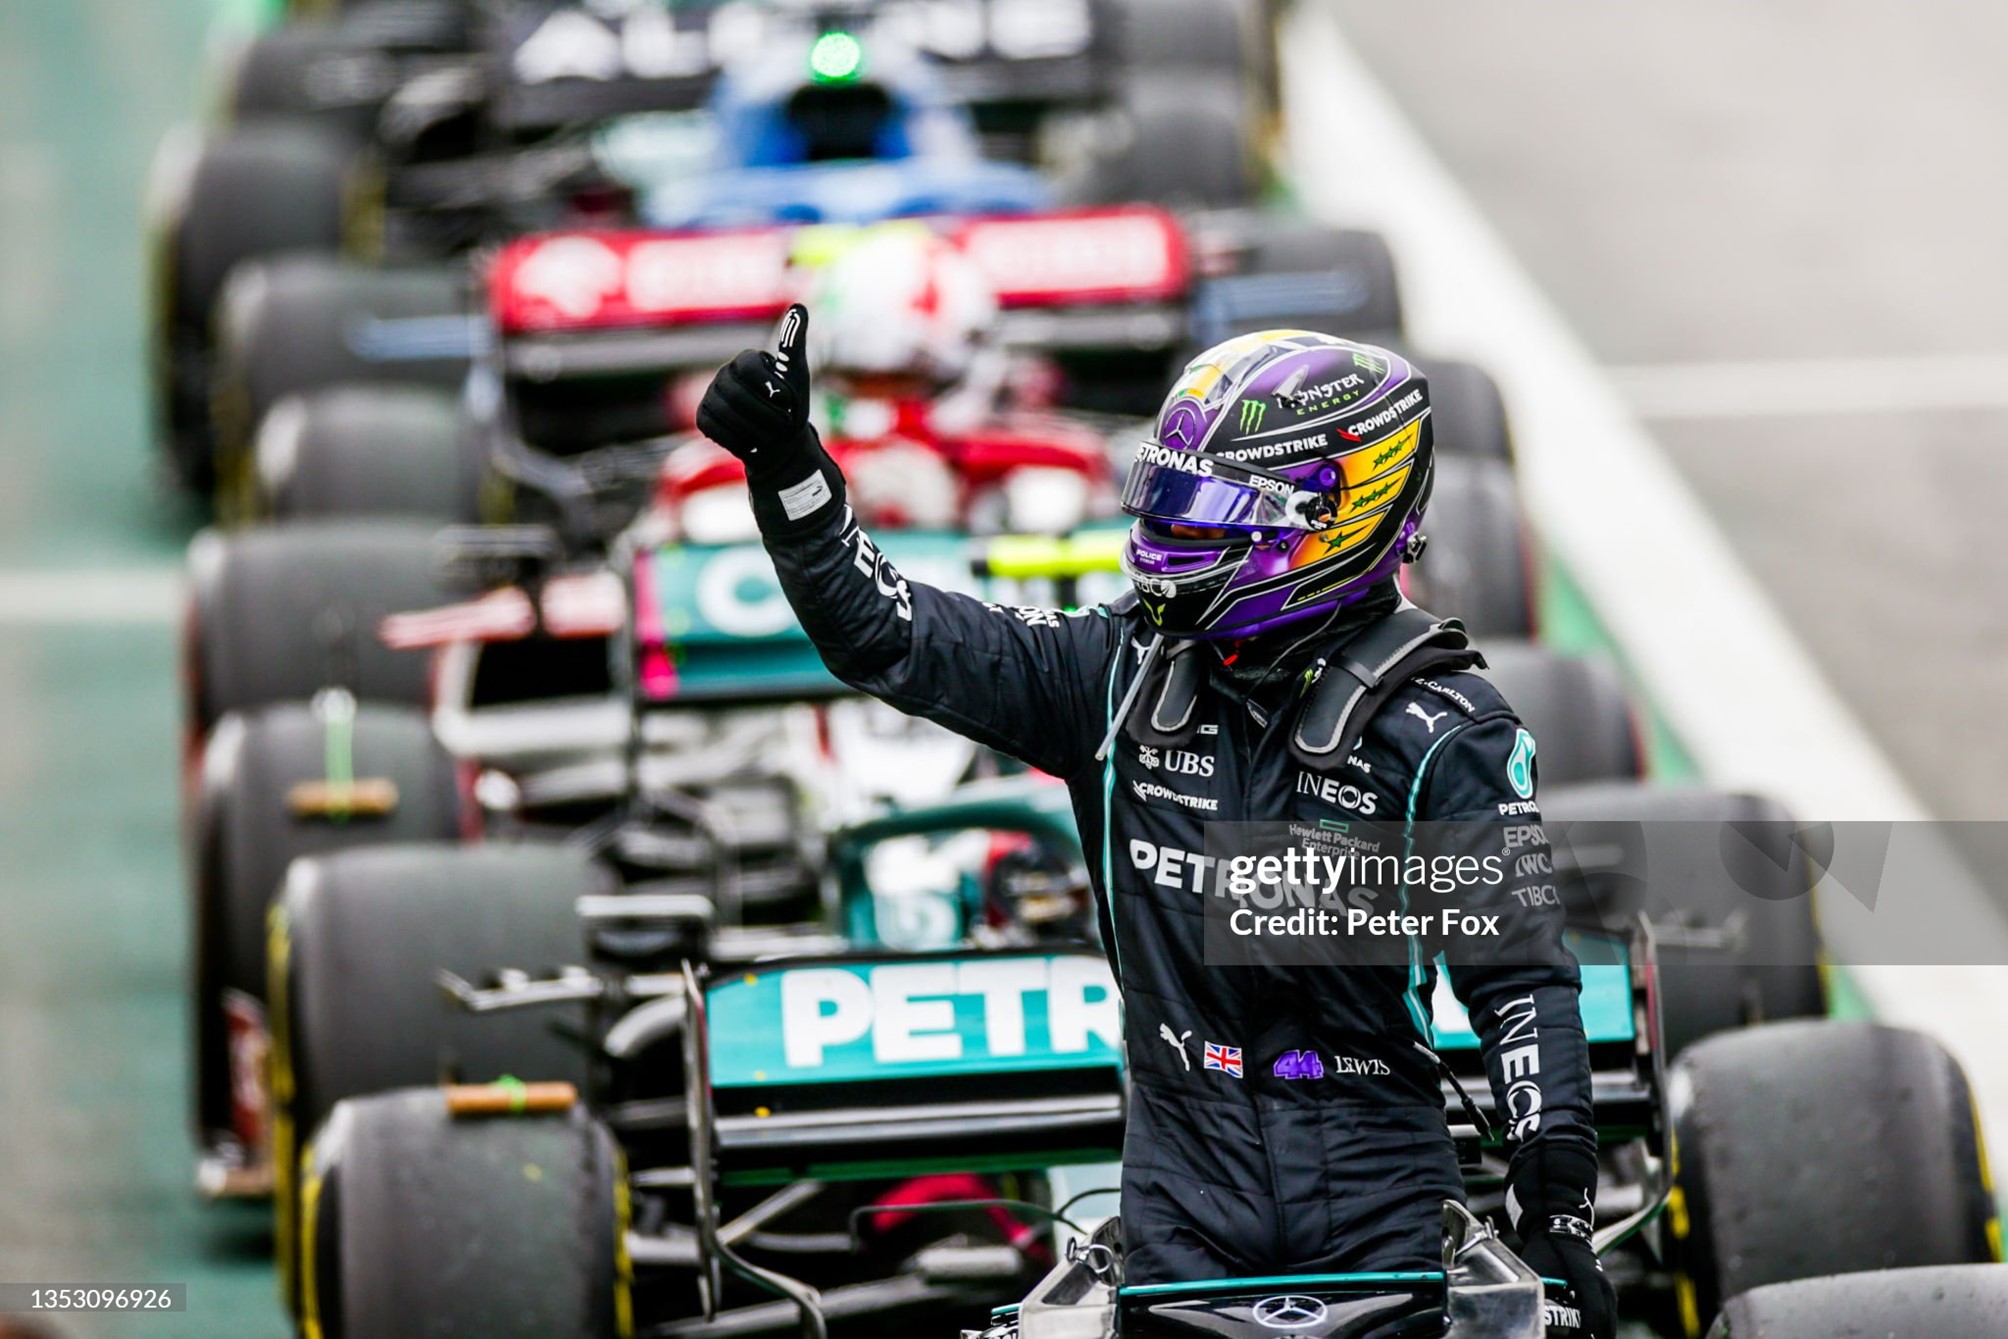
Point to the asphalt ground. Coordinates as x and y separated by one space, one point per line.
1711 188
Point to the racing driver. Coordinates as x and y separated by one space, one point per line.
1264 667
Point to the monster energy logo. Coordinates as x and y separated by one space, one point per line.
1251 415
1369 362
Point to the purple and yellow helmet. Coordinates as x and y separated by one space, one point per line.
1286 475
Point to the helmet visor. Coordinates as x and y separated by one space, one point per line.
1187 488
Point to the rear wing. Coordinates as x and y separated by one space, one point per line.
558 67
851 1067
589 303
711 623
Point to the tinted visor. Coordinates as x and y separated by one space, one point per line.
1231 496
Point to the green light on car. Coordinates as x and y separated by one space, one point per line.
837 57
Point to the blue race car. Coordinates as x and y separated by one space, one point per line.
865 136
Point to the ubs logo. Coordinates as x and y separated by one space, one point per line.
1175 762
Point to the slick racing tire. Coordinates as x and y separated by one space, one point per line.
367 451
1576 709
1478 565
1730 906
1945 1302
276 614
340 69
247 827
296 323
1468 411
1186 140
422 1226
1301 275
1818 1148
357 941
244 192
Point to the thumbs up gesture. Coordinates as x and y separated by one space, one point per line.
757 407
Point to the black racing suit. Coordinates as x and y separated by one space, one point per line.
1228 1174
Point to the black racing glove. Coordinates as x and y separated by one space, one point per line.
757 407
1549 1195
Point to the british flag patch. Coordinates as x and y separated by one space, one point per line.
1227 1059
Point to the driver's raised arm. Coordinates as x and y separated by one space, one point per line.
1029 682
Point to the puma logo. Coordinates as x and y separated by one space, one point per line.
1177 1043
1415 710
772 390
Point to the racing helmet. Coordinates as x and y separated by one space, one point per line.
899 304
1286 475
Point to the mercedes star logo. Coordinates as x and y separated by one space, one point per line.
1289 1312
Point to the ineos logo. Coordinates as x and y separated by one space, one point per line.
1289 1312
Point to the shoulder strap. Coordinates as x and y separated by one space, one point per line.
1357 678
1168 701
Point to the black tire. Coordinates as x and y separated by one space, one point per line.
1675 868
1468 411
292 324
424 1227
367 451
1942 1302
276 614
244 834
247 192
1821 1148
307 71
1576 709
1302 275
340 69
1478 565
1186 139
357 938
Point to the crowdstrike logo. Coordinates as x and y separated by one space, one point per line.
1151 790
1388 415
1270 450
